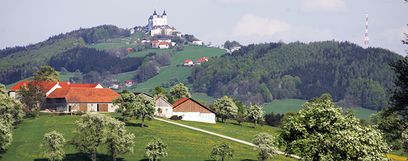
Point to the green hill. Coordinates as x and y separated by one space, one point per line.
263 72
183 144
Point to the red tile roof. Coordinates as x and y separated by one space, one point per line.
187 61
68 84
45 86
182 100
77 94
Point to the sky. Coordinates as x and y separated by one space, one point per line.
25 22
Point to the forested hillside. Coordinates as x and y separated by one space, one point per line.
261 73
19 62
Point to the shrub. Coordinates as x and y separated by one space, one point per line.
273 119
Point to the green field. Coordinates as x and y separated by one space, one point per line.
183 144
173 71
246 131
294 105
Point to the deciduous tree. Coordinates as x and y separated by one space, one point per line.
118 141
222 152
11 111
144 108
6 135
32 96
90 133
225 108
266 146
53 142
179 91
319 131
127 105
156 149
46 73
255 113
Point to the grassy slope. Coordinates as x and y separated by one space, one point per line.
173 71
39 55
183 144
246 131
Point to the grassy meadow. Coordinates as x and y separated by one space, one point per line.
183 144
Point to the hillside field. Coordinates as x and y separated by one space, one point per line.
174 70
294 105
183 144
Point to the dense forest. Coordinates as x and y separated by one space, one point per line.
89 59
260 73
19 62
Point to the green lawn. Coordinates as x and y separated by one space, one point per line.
284 106
246 131
183 144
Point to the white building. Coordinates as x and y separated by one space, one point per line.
157 25
157 20
191 110
163 108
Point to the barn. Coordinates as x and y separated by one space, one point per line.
192 110
81 99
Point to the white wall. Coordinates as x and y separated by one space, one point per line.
197 116
167 109
112 108
92 107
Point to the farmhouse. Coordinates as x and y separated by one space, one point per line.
81 99
47 87
71 97
191 110
201 60
188 62
163 108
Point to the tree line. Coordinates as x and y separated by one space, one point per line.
263 72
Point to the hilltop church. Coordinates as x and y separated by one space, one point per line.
157 25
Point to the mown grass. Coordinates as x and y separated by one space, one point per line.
183 144
246 131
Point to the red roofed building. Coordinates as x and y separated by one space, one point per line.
82 99
71 97
48 87
188 62
201 60
192 110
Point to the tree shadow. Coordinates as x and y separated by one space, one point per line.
83 157
135 124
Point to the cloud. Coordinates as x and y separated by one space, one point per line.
323 5
251 25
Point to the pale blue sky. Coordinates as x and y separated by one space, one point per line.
247 21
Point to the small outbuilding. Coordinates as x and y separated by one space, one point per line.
192 110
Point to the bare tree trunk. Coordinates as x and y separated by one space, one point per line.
142 124
93 157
